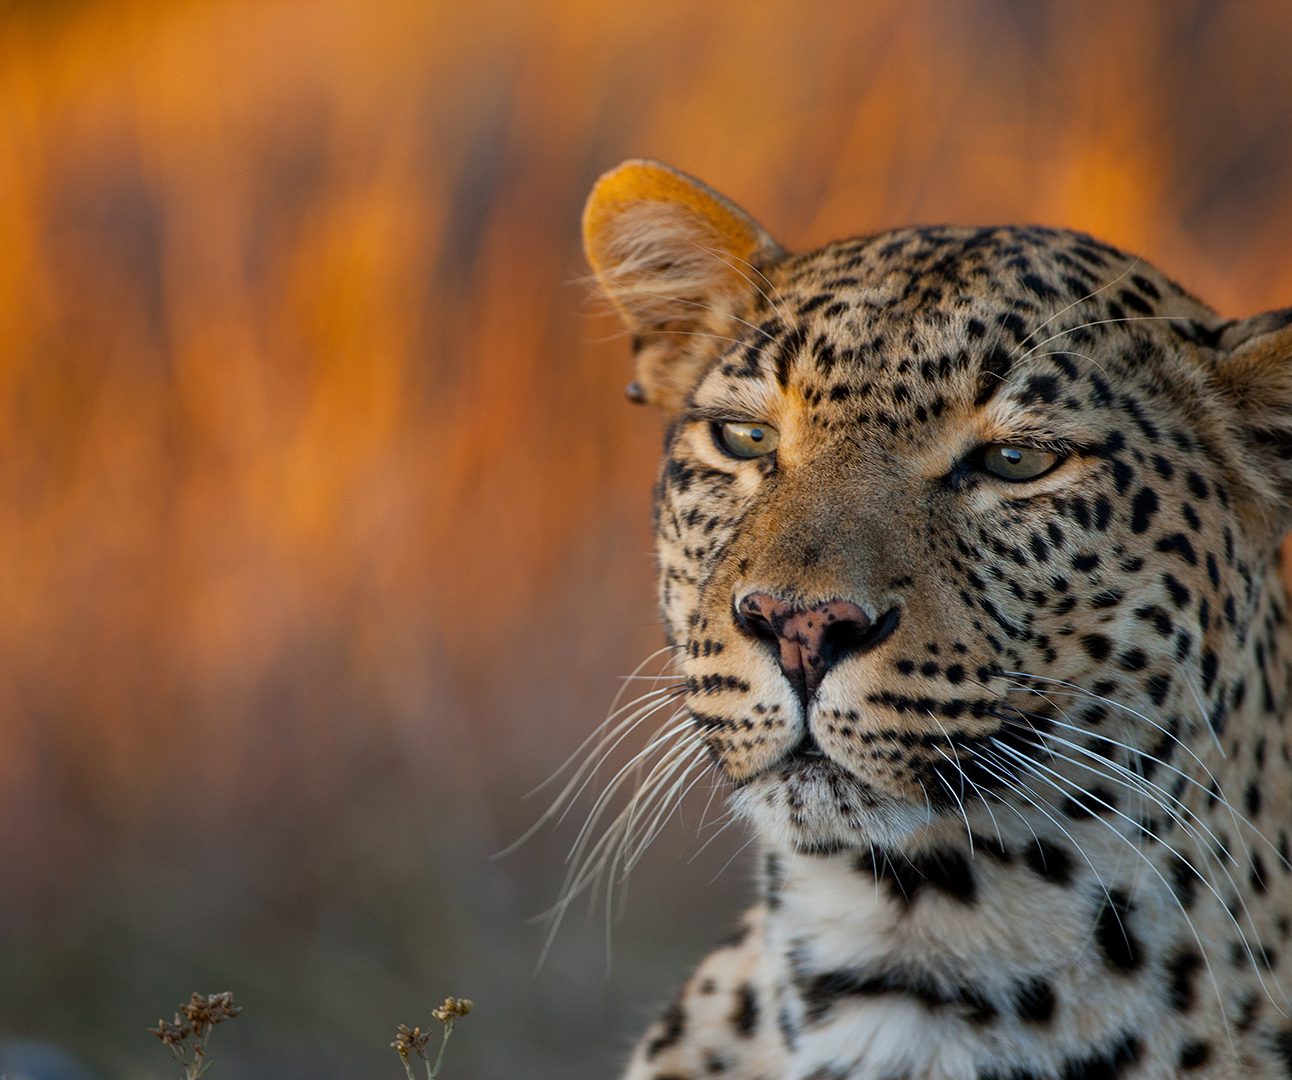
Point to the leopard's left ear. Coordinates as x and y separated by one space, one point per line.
681 263
1256 365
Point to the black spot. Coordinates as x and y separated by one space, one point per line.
1209 666
1113 933
1146 287
1178 544
1097 645
1040 388
1050 861
947 871
674 1024
992 373
1143 509
1038 286
745 1016
1133 660
1135 302
1283 1048
1248 1008
1180 594
1106 1064
822 991
815 302
1194 1054
788 348
1085 804
1014 325
1157 687
1034 1001
1252 797
1085 562
773 879
785 1023
1180 970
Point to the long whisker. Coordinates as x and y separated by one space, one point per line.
588 860
1030 796
1203 952
676 724
1033 766
1175 809
614 710
569 795
1215 791
1136 777
1101 322
955 762
778 304
1089 296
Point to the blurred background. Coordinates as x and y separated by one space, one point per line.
324 528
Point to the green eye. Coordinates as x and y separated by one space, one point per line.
1016 462
746 440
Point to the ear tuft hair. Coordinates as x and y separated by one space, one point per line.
1257 369
679 261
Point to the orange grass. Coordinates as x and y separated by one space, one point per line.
306 433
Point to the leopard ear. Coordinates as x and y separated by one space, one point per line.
680 262
1256 363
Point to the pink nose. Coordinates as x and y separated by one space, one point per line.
811 640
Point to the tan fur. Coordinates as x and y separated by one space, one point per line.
1033 820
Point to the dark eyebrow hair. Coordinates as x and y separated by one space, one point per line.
995 369
717 414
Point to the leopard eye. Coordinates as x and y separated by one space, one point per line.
1016 462
746 440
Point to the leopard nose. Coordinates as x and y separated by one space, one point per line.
810 640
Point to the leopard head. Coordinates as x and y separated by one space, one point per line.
936 500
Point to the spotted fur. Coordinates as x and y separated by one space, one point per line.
1038 828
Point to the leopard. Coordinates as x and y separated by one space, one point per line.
968 545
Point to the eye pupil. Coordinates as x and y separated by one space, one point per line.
756 434
1011 454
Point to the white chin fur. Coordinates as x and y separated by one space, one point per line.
817 823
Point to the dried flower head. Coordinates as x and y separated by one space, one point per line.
411 1041
172 1032
453 1009
206 1012
188 1035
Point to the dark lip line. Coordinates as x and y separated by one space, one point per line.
806 749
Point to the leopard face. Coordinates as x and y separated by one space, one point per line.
937 502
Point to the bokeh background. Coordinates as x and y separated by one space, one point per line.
324 527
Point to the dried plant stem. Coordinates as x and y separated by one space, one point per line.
432 1071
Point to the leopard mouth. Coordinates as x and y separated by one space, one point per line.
807 749
807 766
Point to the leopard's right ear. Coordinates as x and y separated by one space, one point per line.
681 263
1256 371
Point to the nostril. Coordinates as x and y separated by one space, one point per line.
755 614
844 636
